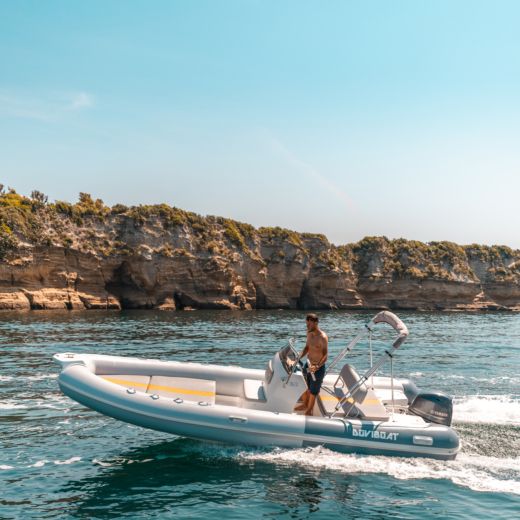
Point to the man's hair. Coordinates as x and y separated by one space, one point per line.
312 317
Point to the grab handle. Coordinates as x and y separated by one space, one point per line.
237 419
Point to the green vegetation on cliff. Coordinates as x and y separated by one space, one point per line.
92 227
379 257
19 217
277 233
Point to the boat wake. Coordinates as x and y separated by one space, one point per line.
479 473
487 409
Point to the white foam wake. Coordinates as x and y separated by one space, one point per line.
38 464
488 409
11 405
40 377
50 400
478 473
68 461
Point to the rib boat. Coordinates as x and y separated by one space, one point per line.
366 414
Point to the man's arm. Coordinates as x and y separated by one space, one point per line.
303 353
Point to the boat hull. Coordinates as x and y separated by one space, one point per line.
403 436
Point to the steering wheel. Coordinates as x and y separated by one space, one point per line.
300 365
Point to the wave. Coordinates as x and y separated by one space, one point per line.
68 461
38 464
11 405
35 377
53 401
487 409
40 377
504 380
496 380
120 461
479 473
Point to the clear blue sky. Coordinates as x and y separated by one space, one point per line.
397 118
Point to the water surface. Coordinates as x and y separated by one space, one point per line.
61 460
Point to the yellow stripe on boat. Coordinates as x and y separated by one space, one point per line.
122 382
328 397
172 389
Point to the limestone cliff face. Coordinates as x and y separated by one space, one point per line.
89 256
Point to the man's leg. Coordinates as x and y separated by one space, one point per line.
306 394
314 389
310 404
305 399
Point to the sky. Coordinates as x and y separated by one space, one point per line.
348 118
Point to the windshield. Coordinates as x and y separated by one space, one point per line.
288 356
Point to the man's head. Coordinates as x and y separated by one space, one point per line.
312 322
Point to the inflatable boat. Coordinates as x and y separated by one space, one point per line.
353 413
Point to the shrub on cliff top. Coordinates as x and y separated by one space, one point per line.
246 230
400 258
370 248
85 207
232 233
490 252
316 236
90 207
504 251
118 209
170 216
11 199
39 198
448 250
503 264
419 260
20 215
237 232
371 243
278 233
69 210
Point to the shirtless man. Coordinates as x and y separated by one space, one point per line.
316 352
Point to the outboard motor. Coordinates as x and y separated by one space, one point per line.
434 407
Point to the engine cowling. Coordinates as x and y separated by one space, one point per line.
434 407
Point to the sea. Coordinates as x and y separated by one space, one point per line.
59 459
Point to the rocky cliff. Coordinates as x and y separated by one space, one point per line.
90 256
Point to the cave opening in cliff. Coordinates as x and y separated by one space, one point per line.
127 290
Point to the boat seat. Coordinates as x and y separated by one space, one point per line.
128 381
385 395
364 404
254 390
187 388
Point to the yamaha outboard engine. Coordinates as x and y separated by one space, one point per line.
434 407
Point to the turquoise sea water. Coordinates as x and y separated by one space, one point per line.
61 460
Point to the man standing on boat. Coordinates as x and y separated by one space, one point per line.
316 350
